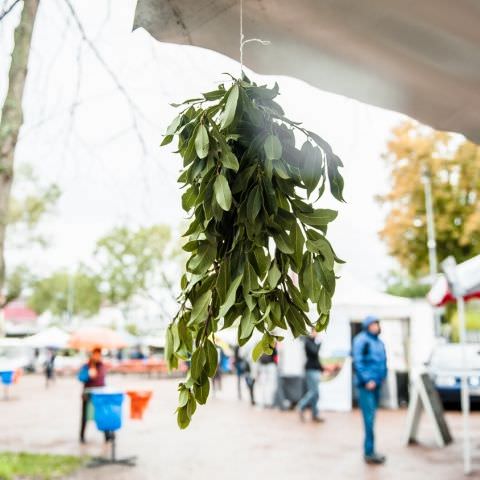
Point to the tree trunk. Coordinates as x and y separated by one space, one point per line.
12 115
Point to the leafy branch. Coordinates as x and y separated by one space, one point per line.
252 229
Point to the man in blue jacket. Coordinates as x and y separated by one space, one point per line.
370 364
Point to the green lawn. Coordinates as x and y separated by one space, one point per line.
37 466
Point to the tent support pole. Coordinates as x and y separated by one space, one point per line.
465 396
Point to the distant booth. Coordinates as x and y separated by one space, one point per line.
407 330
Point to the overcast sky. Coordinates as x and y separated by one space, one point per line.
95 155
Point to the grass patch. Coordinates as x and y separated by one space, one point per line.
37 466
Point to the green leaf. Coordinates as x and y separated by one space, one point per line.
298 242
247 324
189 197
201 392
214 95
191 406
272 148
308 279
204 258
296 295
326 276
283 243
183 397
322 246
200 307
173 127
230 108
223 195
223 280
166 140
324 302
312 168
212 358
229 160
318 218
296 321
183 419
202 142
231 295
274 275
254 203
257 351
197 363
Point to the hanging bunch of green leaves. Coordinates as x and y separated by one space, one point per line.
247 188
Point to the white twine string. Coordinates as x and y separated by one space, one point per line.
243 42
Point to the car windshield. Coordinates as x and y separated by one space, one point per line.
450 357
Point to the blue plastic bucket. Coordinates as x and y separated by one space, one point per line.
108 410
7 377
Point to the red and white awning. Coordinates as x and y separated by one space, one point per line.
469 280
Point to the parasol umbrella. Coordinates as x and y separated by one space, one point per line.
87 338
418 58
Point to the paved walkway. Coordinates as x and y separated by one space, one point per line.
227 439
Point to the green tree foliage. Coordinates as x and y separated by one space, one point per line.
454 168
129 262
30 202
248 188
61 291
404 286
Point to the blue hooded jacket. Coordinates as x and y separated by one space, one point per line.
369 358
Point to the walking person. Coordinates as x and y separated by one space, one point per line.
370 365
313 370
91 374
50 367
266 380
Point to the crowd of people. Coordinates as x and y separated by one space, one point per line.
290 377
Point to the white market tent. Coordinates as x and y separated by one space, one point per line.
52 337
418 58
407 330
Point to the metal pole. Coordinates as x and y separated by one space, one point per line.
431 240
465 395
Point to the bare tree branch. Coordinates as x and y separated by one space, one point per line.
131 104
8 10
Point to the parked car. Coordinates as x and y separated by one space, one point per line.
446 366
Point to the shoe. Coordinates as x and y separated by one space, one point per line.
375 459
318 419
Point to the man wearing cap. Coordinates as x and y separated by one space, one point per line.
370 365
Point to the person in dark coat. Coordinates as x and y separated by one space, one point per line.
92 374
313 371
50 367
370 365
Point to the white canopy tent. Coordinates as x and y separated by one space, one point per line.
407 327
418 58
52 337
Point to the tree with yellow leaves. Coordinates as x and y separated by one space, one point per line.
454 168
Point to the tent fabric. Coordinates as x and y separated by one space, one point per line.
51 337
468 274
350 292
418 58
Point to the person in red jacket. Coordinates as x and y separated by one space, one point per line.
92 374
